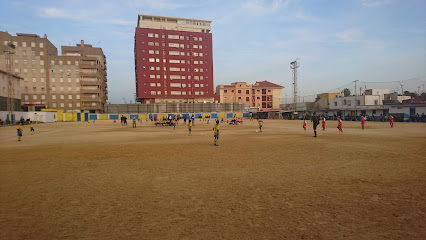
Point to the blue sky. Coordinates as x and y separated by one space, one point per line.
336 42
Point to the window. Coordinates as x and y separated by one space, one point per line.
62 104
344 102
158 76
53 88
175 45
69 88
335 104
158 92
157 60
156 44
43 97
269 90
247 99
376 102
150 43
62 96
68 62
175 77
152 60
25 88
24 44
174 53
34 97
34 80
196 85
156 35
60 62
358 102
41 79
173 36
225 91
150 35
61 80
239 91
178 85
70 105
41 45
151 51
175 93
77 96
195 62
41 53
151 76
53 97
174 69
174 61
70 97
33 62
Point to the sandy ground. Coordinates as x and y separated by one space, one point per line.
104 181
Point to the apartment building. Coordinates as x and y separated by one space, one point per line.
29 62
263 95
92 74
52 81
173 60
15 91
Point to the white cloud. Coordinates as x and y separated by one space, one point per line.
154 4
374 3
81 15
358 36
263 7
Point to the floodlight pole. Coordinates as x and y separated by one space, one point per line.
294 65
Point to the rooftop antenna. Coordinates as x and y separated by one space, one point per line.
294 65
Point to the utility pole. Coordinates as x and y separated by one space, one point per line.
402 90
355 85
9 55
294 65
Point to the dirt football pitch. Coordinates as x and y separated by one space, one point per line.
100 180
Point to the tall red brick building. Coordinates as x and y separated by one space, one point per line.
173 60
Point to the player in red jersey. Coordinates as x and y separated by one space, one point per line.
340 124
362 122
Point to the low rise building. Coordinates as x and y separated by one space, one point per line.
15 91
262 95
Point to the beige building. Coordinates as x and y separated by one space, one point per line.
4 90
263 95
52 81
173 23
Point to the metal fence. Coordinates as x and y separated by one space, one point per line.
176 108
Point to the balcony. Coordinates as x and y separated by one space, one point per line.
89 83
90 99
93 91
87 66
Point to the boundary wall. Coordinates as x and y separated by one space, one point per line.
77 117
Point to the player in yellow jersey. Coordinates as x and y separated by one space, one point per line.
260 124
189 126
19 130
31 128
216 133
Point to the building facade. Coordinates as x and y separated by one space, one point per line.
173 60
92 73
52 81
15 91
263 95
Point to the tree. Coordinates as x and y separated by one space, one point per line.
346 92
411 94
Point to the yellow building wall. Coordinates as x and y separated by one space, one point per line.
60 115
68 117
103 116
205 115
142 116
222 115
